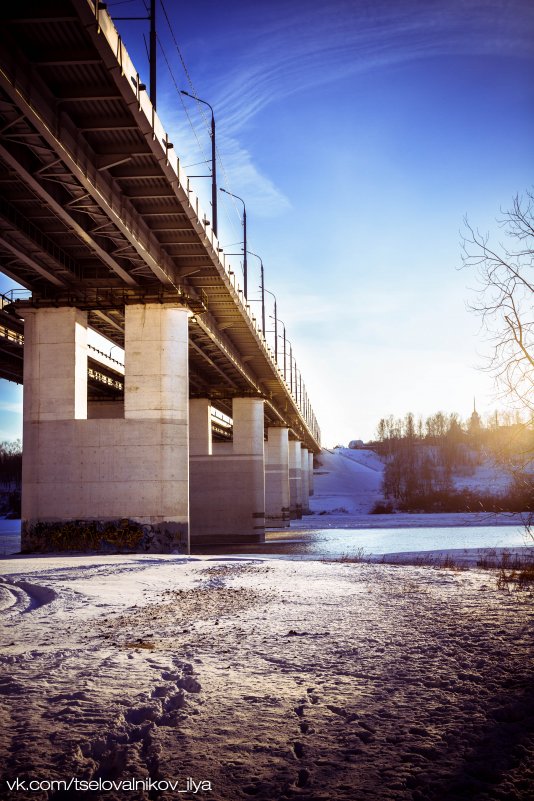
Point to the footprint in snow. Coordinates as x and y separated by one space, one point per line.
298 750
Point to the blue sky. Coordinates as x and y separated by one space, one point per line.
359 134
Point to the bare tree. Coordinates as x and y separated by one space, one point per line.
506 298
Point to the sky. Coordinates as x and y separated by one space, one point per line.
360 135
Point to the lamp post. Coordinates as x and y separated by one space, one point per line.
291 360
293 385
287 342
284 338
275 318
213 160
152 58
245 273
262 287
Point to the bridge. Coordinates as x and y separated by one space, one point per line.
200 434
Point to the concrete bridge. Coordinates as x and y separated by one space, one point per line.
200 436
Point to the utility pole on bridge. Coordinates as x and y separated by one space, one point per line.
152 50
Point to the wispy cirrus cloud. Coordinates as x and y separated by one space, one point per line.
312 44
281 50
237 170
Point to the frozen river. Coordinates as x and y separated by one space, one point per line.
9 537
334 542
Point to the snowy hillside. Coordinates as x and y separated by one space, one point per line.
486 477
352 479
348 483
347 479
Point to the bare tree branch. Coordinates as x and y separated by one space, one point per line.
505 300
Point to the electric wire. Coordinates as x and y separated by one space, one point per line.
201 109
171 73
201 149
200 105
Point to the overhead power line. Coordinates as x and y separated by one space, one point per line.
201 109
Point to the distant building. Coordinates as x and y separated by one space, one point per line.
475 424
354 444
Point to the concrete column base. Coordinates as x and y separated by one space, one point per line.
106 484
283 521
310 472
277 511
227 488
305 481
103 536
295 480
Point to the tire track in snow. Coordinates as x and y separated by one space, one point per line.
24 596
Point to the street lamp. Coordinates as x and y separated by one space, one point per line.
284 340
298 384
262 287
245 277
291 359
213 161
275 325
293 383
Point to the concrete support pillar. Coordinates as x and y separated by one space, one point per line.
310 472
156 385
200 435
295 480
106 483
54 399
249 455
55 364
248 430
277 478
305 484
227 489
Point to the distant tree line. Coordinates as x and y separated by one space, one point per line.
11 464
10 477
423 456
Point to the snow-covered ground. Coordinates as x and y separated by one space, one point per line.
269 679
367 469
485 477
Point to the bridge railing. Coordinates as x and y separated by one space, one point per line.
12 295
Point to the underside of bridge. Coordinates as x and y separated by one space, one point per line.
193 436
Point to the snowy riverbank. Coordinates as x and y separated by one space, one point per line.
267 678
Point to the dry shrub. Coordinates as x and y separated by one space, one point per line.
516 573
